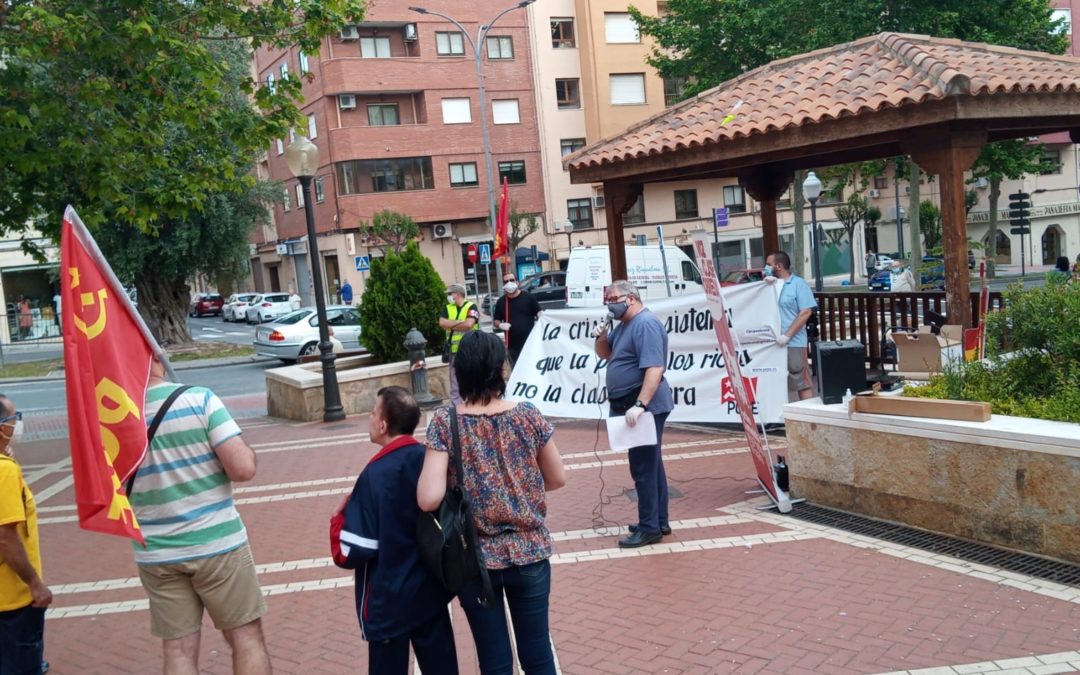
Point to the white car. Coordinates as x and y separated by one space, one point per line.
235 308
297 334
268 307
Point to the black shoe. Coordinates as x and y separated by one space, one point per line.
640 539
664 529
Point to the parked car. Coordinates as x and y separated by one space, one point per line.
206 303
268 307
549 289
235 308
297 333
931 276
883 262
734 277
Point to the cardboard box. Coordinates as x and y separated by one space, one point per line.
921 407
922 351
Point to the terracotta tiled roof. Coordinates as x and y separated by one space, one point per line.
890 70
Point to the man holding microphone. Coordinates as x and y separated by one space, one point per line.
636 349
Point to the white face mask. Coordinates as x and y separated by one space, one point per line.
16 431
510 286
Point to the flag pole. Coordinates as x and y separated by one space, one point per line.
83 234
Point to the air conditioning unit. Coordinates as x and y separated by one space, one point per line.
598 202
409 32
253 250
907 189
350 33
982 183
874 193
346 101
282 249
442 231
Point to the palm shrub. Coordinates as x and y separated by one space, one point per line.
403 292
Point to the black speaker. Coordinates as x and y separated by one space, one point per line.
841 365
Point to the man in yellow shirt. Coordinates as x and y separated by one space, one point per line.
23 594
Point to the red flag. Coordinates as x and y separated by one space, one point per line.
107 355
502 223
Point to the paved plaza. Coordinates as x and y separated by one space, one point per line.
734 589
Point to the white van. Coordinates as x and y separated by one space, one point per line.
589 273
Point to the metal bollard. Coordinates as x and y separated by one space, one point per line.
415 342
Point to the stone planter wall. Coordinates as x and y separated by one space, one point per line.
296 392
1010 481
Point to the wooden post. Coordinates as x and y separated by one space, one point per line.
765 185
948 155
618 199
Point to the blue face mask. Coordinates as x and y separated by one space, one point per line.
617 309
767 270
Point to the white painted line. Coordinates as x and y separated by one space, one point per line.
54 489
47 469
1049 663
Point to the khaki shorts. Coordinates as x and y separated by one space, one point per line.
797 377
226 585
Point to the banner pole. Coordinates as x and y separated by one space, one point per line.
87 239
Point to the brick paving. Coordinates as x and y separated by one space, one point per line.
734 589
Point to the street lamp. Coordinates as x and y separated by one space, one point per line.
812 189
568 227
476 45
303 159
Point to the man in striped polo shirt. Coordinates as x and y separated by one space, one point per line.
197 552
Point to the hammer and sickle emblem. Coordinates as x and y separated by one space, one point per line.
93 330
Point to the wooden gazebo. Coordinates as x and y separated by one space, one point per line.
937 100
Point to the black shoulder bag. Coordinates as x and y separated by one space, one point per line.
447 538
154 424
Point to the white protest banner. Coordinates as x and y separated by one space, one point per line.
559 372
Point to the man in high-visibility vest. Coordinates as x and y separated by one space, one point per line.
459 317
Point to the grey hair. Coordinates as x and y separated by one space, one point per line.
624 287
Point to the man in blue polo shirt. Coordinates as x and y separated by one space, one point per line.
797 305
398 601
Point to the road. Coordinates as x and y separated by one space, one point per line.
213 328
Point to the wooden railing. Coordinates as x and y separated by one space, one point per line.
867 317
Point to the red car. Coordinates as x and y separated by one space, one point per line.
206 303
740 277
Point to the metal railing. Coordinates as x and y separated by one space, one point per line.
867 317
38 327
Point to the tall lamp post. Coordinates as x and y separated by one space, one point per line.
478 56
568 227
812 189
303 159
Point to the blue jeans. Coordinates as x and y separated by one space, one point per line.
22 641
527 589
650 481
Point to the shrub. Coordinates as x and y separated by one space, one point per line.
403 292
1034 364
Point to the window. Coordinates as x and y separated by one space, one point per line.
463 175
513 172
505 111
570 145
449 44
304 67
456 111
1051 163
636 214
270 83
568 93
628 89
620 28
686 204
286 199
562 33
312 129
579 212
1065 16
734 199
299 196
500 47
383 114
320 193
674 90
881 182
374 47
284 70
363 176
280 147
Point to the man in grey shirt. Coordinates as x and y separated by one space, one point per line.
636 350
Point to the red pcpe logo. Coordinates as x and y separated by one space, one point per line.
727 392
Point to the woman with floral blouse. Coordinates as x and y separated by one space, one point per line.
510 461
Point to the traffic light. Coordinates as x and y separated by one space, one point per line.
1020 212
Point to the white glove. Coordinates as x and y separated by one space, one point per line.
632 415
770 280
599 329
783 341
504 326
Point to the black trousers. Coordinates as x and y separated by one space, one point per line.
432 641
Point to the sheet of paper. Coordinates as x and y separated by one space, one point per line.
622 436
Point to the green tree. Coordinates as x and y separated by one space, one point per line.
930 227
403 292
390 231
520 227
850 214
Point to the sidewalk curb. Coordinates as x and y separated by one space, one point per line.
183 365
